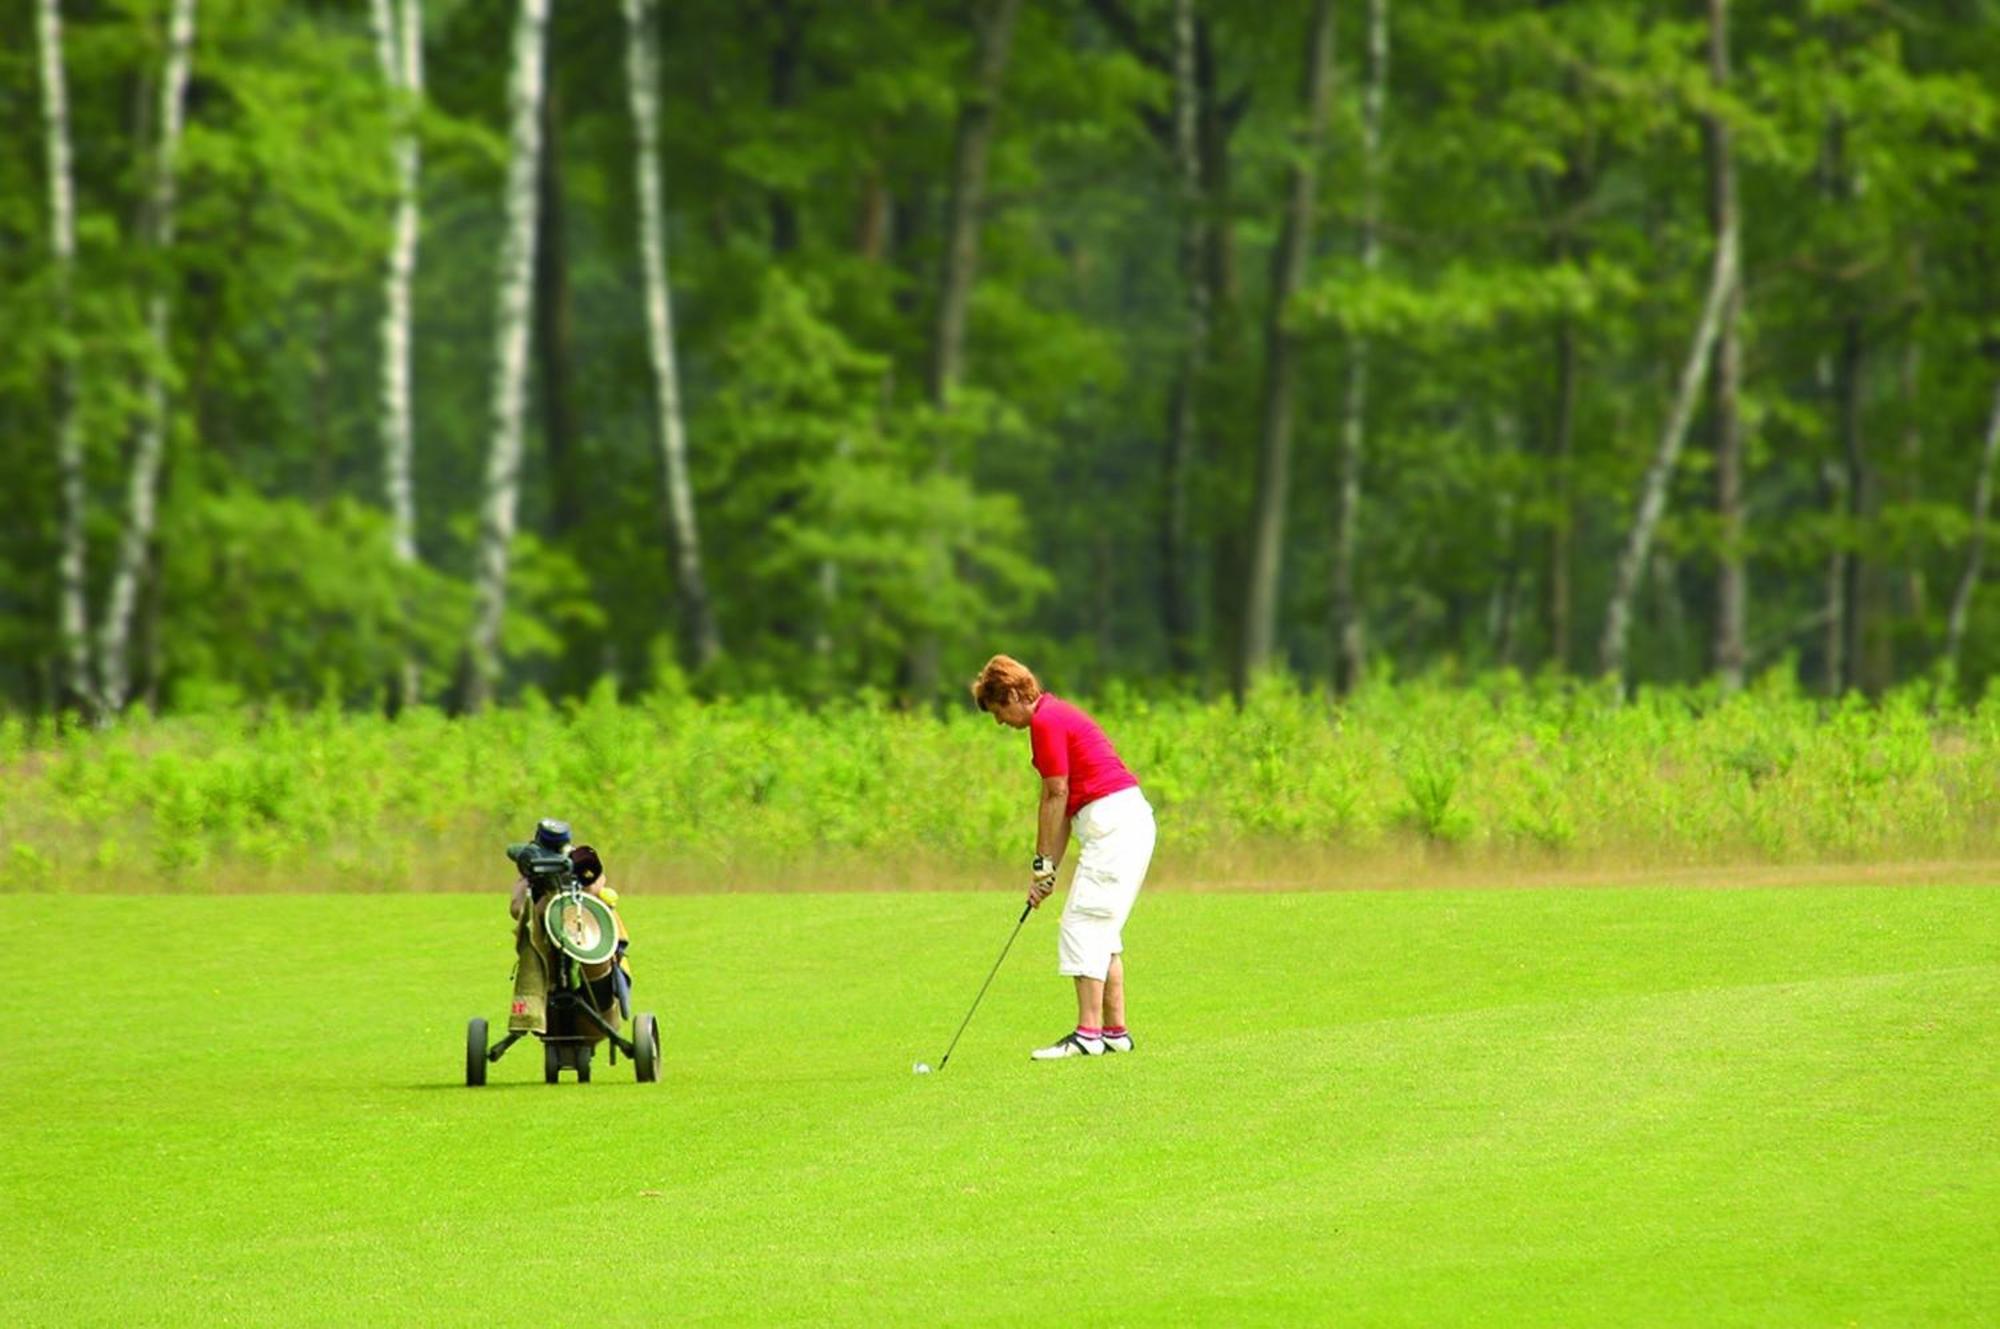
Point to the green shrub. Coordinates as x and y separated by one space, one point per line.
762 790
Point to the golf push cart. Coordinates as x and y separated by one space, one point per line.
575 937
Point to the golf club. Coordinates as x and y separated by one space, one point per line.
1026 909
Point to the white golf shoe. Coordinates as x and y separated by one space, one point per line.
1071 1044
1118 1042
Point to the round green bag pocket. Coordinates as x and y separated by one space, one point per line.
581 926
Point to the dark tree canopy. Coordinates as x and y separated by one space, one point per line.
1542 241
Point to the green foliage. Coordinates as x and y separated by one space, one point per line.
832 501
1543 177
760 790
334 616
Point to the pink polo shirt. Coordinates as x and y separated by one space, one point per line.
1068 742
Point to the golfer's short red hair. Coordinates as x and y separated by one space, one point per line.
1004 679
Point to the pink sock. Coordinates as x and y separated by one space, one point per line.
1114 1031
1081 1032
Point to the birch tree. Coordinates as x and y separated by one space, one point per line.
1975 554
73 613
1350 644
1288 265
399 44
142 499
510 367
1673 434
642 74
1730 585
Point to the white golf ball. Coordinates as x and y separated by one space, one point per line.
921 1068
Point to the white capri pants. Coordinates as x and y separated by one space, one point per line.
1115 835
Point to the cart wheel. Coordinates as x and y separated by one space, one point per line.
551 1062
475 1052
646 1048
583 1064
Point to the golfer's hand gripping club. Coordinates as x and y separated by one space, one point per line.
1044 883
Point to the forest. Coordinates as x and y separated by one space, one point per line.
377 353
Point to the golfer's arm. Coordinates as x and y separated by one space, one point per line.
1052 827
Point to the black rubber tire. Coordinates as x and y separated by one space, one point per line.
551 1063
646 1048
583 1064
475 1052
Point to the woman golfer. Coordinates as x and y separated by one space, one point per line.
1084 783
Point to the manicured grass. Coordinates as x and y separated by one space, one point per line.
1648 1106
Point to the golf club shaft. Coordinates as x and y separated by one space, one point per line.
1026 909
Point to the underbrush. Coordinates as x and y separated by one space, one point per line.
765 792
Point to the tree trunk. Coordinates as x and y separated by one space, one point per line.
1653 492
143 494
1730 583
1349 630
993 38
1288 264
399 45
1861 595
1562 452
1975 553
1176 589
871 223
703 639
1849 367
319 366
1573 185
512 316
1833 491
73 612
1213 129
1834 481
1503 604
1915 596
1196 136
786 53
1223 513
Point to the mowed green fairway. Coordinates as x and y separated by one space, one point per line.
1576 1106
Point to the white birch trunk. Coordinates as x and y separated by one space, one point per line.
1653 492
1350 639
1975 554
1275 433
143 495
399 43
73 612
510 369
642 75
